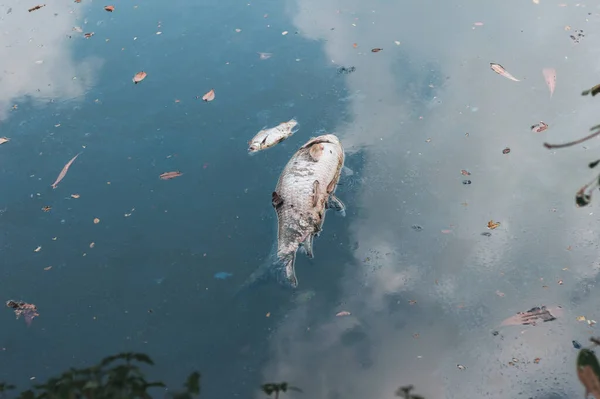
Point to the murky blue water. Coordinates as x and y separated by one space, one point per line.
159 271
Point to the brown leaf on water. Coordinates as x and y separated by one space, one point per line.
27 310
209 96
539 127
138 77
492 225
170 175
376 50
532 316
36 7
4 140
109 8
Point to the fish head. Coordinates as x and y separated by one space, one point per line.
292 123
254 146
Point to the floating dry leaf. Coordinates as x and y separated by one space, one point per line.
209 96
170 175
27 310
64 171
36 7
531 316
138 77
109 8
4 140
550 78
580 318
96 220
343 313
492 225
537 360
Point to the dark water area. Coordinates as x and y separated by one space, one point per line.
130 262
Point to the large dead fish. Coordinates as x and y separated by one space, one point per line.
268 138
304 191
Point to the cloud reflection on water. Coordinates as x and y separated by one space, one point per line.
412 180
36 57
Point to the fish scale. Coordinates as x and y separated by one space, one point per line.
300 215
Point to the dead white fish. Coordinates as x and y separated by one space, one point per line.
268 138
550 78
4 140
64 171
499 69
304 192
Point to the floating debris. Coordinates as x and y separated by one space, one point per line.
506 151
64 171
576 344
222 275
343 313
593 91
466 182
4 140
344 70
27 310
209 96
170 175
530 317
550 78
109 8
492 225
499 69
36 7
138 77
539 127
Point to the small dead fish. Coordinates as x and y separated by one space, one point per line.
304 192
550 78
343 313
376 50
109 8
499 69
170 175
4 140
539 127
88 35
36 7
64 171
268 138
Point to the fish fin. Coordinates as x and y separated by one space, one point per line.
264 140
276 200
286 271
346 171
331 186
315 193
334 203
272 268
307 246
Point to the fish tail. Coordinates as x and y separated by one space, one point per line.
273 268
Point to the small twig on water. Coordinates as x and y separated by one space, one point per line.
596 133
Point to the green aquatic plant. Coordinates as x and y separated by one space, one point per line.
115 377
